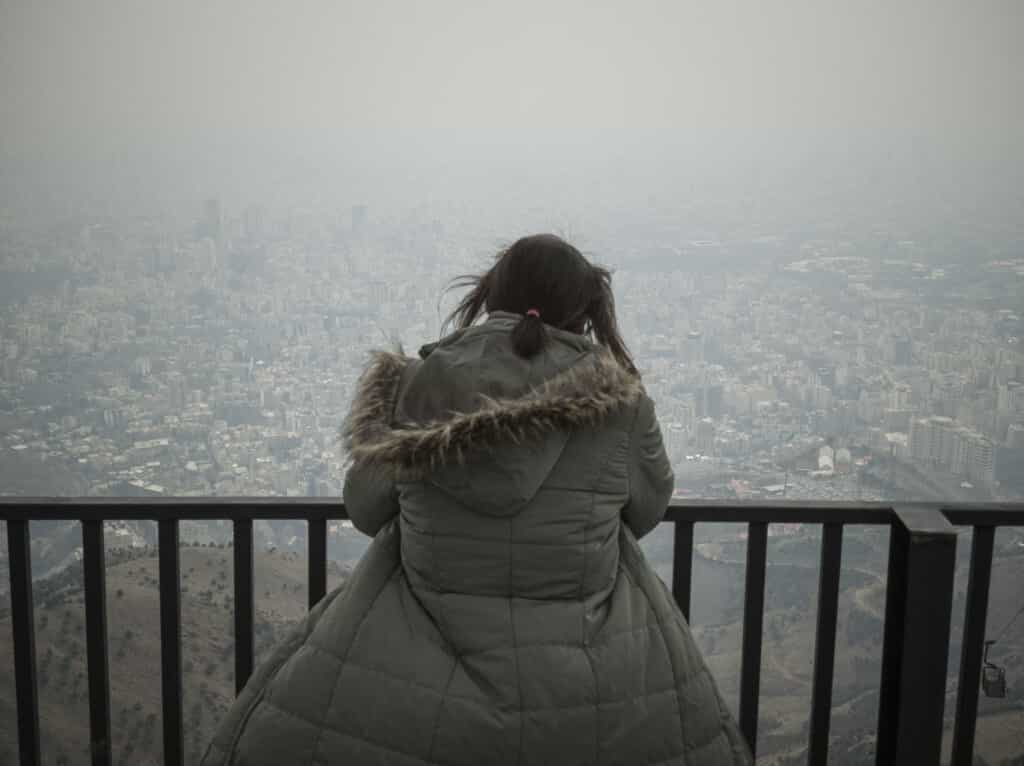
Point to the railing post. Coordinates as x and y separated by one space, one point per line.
245 606
825 643
753 631
682 565
918 605
94 570
19 552
975 616
316 540
170 642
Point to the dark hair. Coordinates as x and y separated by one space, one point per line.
549 278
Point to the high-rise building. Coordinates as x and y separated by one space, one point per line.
693 350
826 459
687 412
897 420
821 398
921 439
945 446
379 292
902 351
962 451
705 441
211 223
899 397
710 400
675 441
932 440
844 460
826 376
1015 437
981 466
176 391
1010 397
253 222
1009 469
358 219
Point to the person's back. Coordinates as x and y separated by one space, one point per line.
504 613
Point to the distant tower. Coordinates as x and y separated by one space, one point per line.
705 442
675 441
210 225
252 221
827 376
902 351
358 219
694 351
1015 436
712 396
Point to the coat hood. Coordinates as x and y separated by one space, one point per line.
494 451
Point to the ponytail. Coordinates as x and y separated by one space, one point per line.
543 274
530 335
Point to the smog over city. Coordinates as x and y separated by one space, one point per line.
212 212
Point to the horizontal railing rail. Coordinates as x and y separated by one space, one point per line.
919 595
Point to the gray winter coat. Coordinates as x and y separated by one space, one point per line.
504 613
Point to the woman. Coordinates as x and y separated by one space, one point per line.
504 613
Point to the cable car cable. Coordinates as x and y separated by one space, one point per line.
1007 626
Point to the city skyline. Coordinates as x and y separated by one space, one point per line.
758 347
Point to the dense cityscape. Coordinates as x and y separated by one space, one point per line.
220 360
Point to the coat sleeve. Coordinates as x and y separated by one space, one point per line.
369 492
370 496
650 474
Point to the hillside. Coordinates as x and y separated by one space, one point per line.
24 475
133 634
789 630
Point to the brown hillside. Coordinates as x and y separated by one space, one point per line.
133 621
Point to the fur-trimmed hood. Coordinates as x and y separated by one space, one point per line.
577 396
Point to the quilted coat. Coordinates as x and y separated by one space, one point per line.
504 613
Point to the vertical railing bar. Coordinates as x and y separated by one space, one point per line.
975 616
19 559
682 566
753 625
825 643
170 641
892 644
94 570
244 602
316 536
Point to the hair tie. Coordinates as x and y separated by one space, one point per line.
533 313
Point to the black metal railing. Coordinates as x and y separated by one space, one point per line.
984 523
919 596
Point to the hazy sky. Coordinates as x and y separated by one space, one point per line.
232 86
